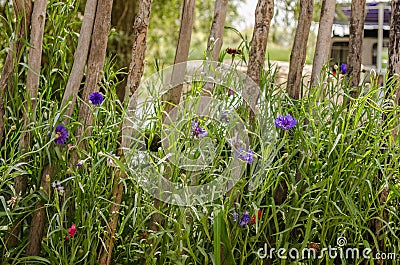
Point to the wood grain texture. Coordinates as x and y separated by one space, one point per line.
322 47
298 54
80 57
357 18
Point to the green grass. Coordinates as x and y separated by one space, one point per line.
278 53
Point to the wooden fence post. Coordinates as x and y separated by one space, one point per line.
357 18
215 39
134 76
323 39
181 54
263 15
298 54
23 11
80 57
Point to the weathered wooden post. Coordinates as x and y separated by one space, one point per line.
134 76
298 54
322 46
32 86
215 38
23 10
357 18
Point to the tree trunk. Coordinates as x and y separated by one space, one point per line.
394 50
23 11
263 15
323 40
123 15
298 55
39 217
181 55
357 18
140 28
393 68
96 61
134 76
32 86
394 42
80 57
215 39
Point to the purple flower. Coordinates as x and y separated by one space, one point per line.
285 122
80 163
231 92
224 116
343 68
61 134
58 187
245 156
197 131
245 219
96 98
235 216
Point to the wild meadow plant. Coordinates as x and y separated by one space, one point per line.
333 158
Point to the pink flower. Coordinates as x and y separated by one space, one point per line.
71 232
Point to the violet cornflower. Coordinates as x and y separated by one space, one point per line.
197 131
343 68
224 117
61 134
58 187
96 98
245 156
245 219
235 216
285 122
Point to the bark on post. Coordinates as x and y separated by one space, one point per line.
134 76
215 39
32 86
323 40
394 41
357 18
298 54
96 61
393 68
182 53
80 57
39 217
23 11
263 15
394 50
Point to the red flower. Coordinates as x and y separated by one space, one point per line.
253 219
233 51
71 232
